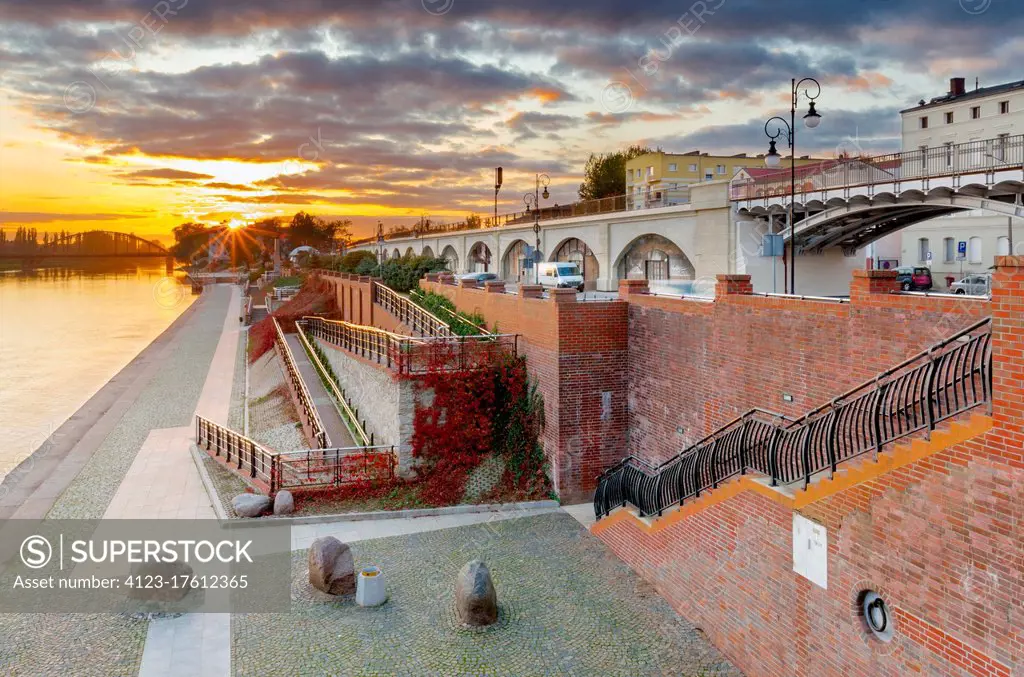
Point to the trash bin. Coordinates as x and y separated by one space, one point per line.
949 281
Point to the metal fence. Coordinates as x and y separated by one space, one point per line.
306 404
418 319
349 416
302 469
985 156
944 381
412 355
245 455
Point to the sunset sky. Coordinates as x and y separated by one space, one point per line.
138 115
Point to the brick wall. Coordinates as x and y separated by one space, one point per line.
355 301
696 365
940 539
577 353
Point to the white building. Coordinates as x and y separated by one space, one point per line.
988 116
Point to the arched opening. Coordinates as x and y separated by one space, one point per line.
516 265
659 261
410 252
452 257
396 254
428 252
479 258
575 250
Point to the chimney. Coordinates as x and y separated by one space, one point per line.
957 86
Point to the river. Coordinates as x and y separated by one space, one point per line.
64 333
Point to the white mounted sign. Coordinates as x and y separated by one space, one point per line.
810 550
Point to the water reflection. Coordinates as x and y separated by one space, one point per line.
65 331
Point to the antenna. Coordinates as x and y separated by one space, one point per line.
976 84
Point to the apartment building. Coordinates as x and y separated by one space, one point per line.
990 117
652 178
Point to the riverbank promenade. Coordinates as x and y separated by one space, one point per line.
126 454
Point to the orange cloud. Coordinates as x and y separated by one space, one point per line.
546 94
865 81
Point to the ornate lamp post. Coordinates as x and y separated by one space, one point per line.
773 159
380 242
532 202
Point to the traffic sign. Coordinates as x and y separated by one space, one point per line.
961 248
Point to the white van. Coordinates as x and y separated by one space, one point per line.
560 274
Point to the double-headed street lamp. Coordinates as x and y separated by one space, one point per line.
773 159
532 202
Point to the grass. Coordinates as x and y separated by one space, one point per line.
290 281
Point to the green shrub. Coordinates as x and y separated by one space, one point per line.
462 324
405 273
356 262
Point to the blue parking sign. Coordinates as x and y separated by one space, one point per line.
961 248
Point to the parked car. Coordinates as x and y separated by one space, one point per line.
914 278
560 274
479 277
978 284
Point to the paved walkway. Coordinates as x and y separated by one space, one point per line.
335 426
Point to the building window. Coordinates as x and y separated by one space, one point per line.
949 153
948 250
673 167
949 118
922 249
720 169
650 171
1004 107
693 167
1003 246
924 122
975 112
974 249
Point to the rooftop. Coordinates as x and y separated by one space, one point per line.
978 93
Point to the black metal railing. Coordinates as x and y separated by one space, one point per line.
412 355
247 456
944 381
302 469
417 319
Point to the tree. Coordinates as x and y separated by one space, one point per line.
473 221
190 240
605 173
308 230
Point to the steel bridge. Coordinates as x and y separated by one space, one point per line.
93 243
849 203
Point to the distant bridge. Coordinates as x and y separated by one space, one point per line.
89 244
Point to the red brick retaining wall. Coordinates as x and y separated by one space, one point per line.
577 353
696 365
941 540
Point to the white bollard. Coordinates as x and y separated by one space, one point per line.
370 588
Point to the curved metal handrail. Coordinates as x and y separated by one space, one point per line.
948 379
320 436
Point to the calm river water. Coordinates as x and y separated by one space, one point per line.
64 333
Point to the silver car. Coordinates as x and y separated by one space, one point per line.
979 284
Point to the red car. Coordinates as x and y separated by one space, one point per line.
916 278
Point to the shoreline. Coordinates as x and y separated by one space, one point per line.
50 462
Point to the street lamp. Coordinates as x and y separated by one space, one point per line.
812 119
532 202
380 242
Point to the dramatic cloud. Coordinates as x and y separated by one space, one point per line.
384 104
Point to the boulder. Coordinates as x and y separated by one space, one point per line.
284 503
331 567
145 572
250 505
475 599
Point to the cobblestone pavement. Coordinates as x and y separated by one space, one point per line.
236 414
567 606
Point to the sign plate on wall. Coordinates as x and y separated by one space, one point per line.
810 550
